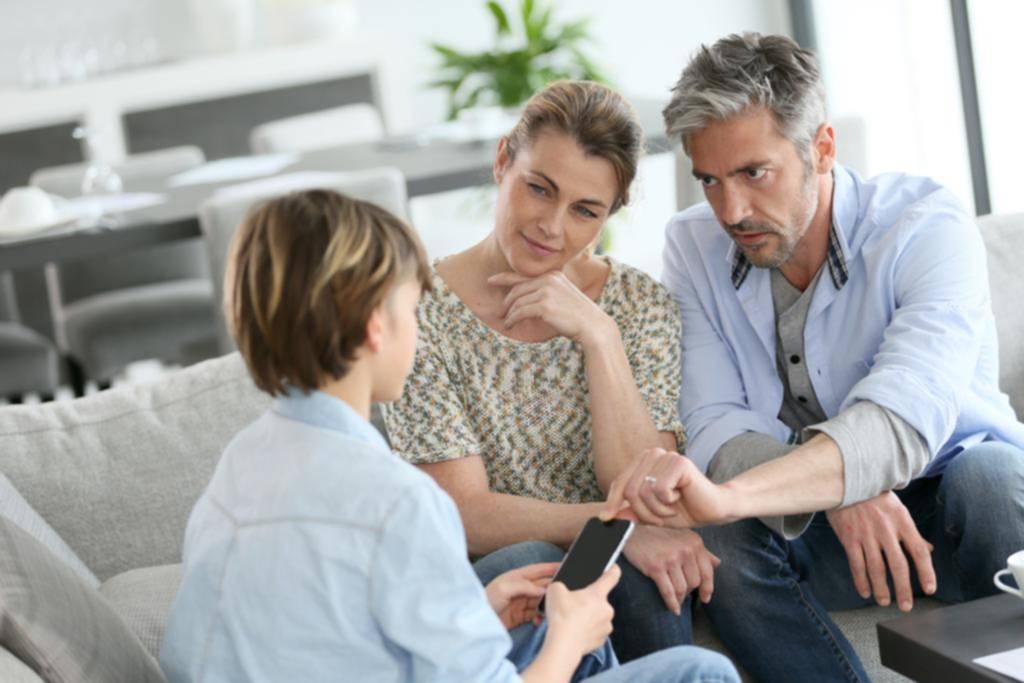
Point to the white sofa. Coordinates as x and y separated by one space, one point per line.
116 474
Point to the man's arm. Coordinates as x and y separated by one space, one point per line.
713 402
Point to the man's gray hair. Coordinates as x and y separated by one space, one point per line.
750 70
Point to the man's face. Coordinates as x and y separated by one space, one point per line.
760 189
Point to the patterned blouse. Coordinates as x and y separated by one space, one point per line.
523 406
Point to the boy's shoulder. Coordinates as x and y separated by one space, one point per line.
280 468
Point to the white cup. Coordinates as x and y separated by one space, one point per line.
1015 566
23 208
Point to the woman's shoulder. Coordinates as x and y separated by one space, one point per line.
632 289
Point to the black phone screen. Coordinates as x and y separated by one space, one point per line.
596 547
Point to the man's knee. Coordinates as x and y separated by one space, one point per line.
990 471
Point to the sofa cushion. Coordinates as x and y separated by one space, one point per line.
117 473
1002 235
142 598
60 626
17 510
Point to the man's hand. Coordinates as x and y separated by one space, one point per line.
665 488
515 594
877 527
676 560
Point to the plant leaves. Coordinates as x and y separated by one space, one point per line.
502 26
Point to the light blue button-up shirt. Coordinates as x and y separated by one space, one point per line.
316 554
908 325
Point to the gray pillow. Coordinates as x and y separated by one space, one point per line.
142 598
60 626
17 509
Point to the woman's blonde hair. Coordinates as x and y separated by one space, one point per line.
305 274
599 119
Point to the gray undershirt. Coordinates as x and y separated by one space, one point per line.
880 450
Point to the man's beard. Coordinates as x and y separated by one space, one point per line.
788 237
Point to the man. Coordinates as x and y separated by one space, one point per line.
839 354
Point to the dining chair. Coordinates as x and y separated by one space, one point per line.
116 309
28 361
352 123
221 215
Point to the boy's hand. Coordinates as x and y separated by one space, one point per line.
581 619
515 594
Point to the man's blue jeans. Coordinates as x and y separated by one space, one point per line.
642 622
773 596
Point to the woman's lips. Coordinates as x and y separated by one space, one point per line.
538 248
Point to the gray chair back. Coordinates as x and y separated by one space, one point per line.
220 216
77 280
345 125
139 170
1002 235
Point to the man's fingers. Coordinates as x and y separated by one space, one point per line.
920 552
900 571
858 568
876 572
922 556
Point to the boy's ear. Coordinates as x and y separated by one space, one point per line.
375 332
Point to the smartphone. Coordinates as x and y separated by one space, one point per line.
594 551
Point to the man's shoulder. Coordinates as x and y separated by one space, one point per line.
696 223
892 199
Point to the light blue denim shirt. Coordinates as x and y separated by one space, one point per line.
903 320
316 554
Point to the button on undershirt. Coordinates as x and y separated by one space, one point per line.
802 399
794 359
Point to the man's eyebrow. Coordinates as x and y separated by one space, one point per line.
757 163
595 202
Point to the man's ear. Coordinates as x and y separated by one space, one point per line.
501 160
375 332
824 146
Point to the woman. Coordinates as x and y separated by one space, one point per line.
542 369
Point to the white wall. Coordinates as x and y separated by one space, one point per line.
643 44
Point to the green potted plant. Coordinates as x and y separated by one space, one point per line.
524 59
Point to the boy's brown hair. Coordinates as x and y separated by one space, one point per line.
306 272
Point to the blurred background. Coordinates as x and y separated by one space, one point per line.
140 113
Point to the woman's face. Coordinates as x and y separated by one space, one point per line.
552 202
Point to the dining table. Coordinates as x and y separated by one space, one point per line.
430 164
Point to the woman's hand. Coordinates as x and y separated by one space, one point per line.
581 619
553 298
515 594
665 488
676 560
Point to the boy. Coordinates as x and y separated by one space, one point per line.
317 554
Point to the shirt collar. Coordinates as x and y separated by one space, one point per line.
321 410
836 258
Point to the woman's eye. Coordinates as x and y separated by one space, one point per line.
756 173
586 213
708 181
537 189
